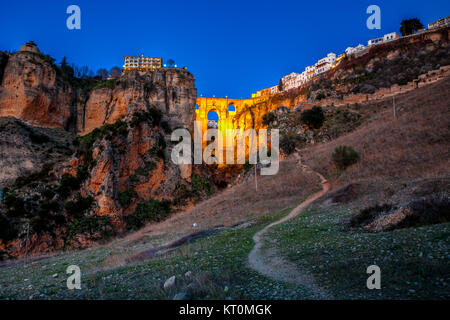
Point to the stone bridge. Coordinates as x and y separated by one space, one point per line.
233 113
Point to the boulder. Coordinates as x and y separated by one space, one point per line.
170 283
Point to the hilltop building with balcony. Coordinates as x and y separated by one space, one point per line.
387 37
263 92
325 64
142 63
274 90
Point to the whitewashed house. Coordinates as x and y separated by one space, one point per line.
352 50
390 36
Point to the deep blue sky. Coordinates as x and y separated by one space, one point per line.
233 47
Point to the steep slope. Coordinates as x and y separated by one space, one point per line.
24 149
412 143
374 73
61 191
170 90
32 90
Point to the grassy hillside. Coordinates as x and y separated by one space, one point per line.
403 166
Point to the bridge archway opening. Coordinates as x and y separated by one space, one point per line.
213 119
196 106
231 108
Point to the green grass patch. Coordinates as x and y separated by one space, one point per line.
414 262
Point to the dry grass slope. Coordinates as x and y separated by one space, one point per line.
240 203
415 144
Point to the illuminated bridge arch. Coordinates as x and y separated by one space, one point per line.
230 111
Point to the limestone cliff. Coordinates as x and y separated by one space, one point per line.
31 90
170 90
115 176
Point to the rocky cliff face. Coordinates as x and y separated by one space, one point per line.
116 176
172 91
30 90
24 149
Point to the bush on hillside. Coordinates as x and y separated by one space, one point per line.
268 118
79 206
67 184
7 229
313 118
126 197
344 156
288 143
200 184
146 211
91 225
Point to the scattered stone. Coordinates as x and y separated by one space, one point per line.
55 275
188 274
169 283
226 288
245 225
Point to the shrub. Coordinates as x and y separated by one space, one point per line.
48 193
78 207
82 173
126 197
85 147
200 184
344 156
16 206
117 128
44 220
149 166
247 166
40 223
166 127
146 211
268 118
152 116
313 118
68 183
133 178
90 225
181 193
86 143
37 176
8 230
158 148
50 206
288 143
320 96
111 84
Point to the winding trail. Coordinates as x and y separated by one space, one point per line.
268 261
